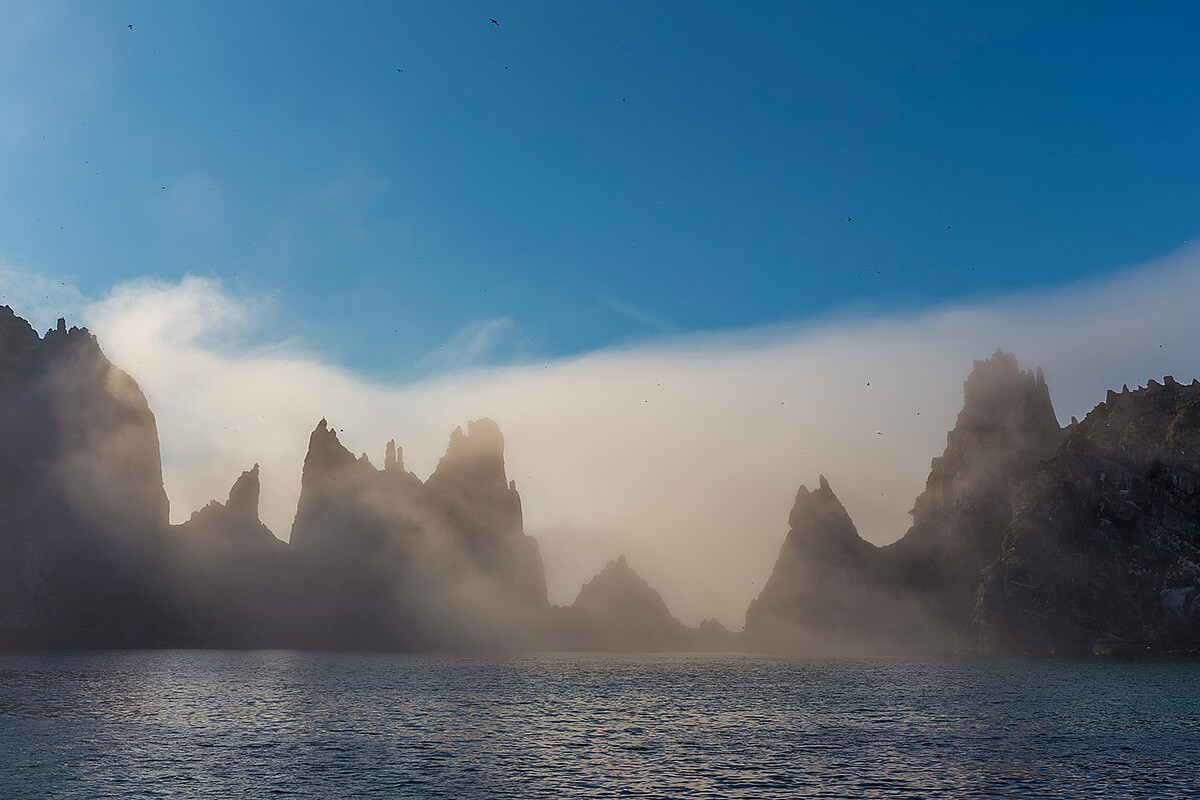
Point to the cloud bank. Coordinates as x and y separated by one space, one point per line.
683 451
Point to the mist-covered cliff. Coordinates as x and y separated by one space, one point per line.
1027 538
377 558
82 506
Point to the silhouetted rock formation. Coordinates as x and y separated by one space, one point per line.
379 558
81 494
618 610
1026 538
231 575
1103 551
822 593
832 591
394 562
1006 426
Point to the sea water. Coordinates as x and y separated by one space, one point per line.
325 725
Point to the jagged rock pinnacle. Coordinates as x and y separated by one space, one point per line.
393 458
243 497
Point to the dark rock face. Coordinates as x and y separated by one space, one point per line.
231 575
378 558
1103 550
81 494
833 592
393 561
618 610
471 498
1027 538
820 594
1006 426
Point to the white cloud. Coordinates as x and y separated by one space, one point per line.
685 452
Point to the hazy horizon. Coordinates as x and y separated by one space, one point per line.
682 451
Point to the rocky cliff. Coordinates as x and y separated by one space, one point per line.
81 494
1102 553
832 591
394 561
1007 425
233 578
619 610
1027 538
822 593
378 558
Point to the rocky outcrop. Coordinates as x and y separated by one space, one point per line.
1027 538
473 501
619 610
81 494
831 591
233 526
1007 425
395 561
821 591
232 576
1103 551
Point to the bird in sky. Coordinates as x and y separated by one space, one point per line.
494 21
399 70
131 26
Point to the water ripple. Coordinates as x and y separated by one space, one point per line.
286 724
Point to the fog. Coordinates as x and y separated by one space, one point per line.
682 451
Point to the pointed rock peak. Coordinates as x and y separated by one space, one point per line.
821 514
999 395
16 335
620 596
617 570
393 457
484 426
62 325
243 497
478 453
324 449
481 435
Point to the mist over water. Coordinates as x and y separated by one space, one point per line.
683 452
204 724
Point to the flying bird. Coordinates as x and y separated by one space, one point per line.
131 26
399 70
494 21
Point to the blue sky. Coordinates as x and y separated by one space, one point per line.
586 174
